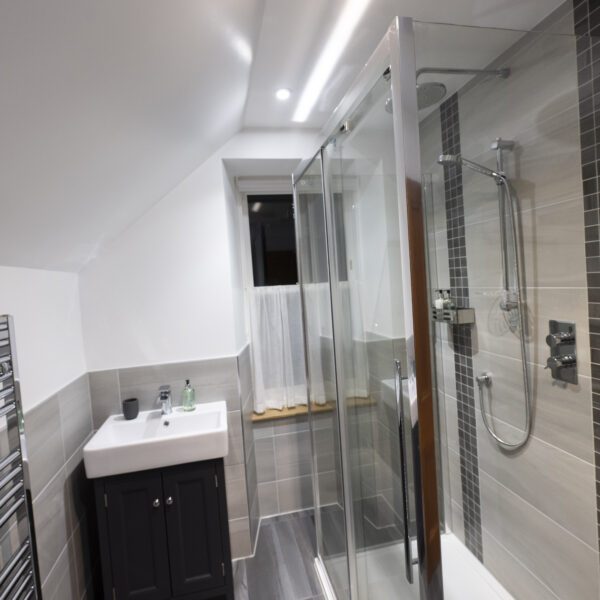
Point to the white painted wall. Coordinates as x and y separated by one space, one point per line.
170 287
48 333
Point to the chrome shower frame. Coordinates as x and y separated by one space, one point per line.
394 58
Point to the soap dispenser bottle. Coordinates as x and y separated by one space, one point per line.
188 396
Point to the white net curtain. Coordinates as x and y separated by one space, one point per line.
277 347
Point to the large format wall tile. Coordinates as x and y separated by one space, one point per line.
75 414
44 443
214 379
552 239
558 484
104 390
516 578
495 334
538 504
50 518
561 561
562 415
63 503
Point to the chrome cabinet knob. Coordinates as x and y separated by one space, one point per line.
169 501
156 503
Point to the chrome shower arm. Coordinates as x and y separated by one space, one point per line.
500 73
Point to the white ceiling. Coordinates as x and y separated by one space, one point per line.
106 106
294 32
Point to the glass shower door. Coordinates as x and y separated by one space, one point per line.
330 517
368 302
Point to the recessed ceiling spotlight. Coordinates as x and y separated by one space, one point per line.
283 94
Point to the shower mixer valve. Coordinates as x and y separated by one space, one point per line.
562 361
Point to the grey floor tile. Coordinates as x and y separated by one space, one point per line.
282 567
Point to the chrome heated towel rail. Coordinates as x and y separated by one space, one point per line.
18 573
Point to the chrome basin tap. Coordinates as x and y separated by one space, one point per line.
164 399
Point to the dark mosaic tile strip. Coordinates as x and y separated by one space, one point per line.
463 360
586 15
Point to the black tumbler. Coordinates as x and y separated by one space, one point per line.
131 408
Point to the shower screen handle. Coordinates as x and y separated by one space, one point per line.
408 563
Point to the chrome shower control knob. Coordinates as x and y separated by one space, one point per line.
559 337
169 501
156 503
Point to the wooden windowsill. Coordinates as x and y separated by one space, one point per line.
296 411
272 413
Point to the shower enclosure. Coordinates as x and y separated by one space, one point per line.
448 250
362 264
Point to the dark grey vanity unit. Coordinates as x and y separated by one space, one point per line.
164 533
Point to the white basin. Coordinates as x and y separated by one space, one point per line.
153 440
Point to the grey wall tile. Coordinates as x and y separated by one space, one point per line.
237 499
265 459
457 521
205 372
328 487
515 577
236 442
214 393
268 501
544 268
239 535
104 390
263 429
290 425
147 393
61 583
75 414
295 494
254 518
493 333
50 523
292 455
44 443
558 484
539 543
79 492
251 474
245 371
562 415
83 546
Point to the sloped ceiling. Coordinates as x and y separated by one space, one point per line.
105 106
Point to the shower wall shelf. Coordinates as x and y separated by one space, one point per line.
453 316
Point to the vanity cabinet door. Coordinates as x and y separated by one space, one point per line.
137 536
193 527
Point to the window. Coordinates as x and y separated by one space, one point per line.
272 240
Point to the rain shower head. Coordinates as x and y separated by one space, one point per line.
447 160
428 94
